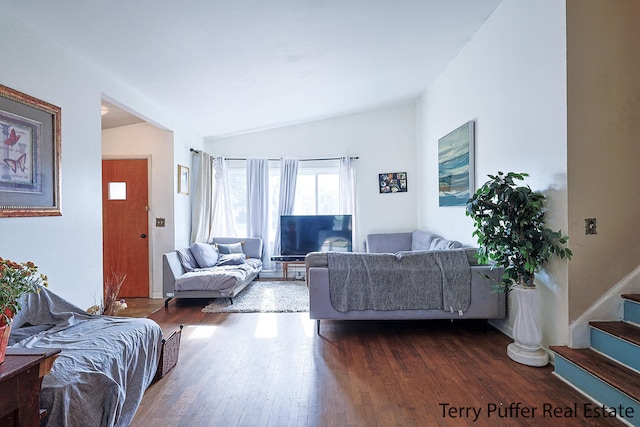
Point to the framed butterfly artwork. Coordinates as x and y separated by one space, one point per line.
29 155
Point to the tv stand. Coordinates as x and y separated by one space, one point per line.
288 258
285 268
288 261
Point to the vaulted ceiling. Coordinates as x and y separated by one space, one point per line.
228 66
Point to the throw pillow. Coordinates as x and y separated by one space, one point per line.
421 240
231 259
440 244
230 248
187 260
205 254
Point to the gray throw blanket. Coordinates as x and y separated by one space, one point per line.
417 280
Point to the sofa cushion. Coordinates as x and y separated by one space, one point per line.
440 244
231 259
388 242
421 240
205 254
230 248
187 260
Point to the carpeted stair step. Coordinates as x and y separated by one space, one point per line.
618 340
632 308
599 376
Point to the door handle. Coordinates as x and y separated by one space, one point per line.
144 236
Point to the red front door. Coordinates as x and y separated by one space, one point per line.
125 224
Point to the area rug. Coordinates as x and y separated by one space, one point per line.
265 297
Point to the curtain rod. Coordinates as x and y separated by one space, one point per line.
301 160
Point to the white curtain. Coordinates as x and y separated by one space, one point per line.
347 193
202 202
288 177
222 224
211 214
258 204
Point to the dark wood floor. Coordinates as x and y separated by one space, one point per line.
272 370
141 307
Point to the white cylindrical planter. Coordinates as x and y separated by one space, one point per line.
527 331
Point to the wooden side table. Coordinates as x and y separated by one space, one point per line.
287 264
20 380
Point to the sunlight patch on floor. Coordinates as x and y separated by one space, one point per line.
198 332
268 302
308 325
267 326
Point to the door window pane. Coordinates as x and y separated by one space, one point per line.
117 191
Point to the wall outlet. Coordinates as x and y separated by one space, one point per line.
590 226
159 222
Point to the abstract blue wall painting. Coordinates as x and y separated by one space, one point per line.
455 166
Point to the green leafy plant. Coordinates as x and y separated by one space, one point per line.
17 279
510 229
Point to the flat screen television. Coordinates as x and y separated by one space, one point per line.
301 234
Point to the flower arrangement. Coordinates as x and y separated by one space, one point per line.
17 279
111 303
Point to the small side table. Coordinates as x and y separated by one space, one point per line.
20 381
287 264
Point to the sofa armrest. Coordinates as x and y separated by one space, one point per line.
388 242
171 270
482 278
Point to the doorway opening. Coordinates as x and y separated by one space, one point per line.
127 136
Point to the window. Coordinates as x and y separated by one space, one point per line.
238 192
316 192
117 191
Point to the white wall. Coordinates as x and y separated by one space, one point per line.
384 140
511 80
145 141
68 248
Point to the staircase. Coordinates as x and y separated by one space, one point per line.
609 371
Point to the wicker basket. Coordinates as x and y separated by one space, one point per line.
168 353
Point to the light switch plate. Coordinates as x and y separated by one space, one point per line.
590 226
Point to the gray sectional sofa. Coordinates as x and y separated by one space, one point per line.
414 275
219 269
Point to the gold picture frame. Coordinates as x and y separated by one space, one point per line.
29 155
183 180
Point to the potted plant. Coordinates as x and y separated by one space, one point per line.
510 229
16 279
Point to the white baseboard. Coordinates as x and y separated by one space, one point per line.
503 326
